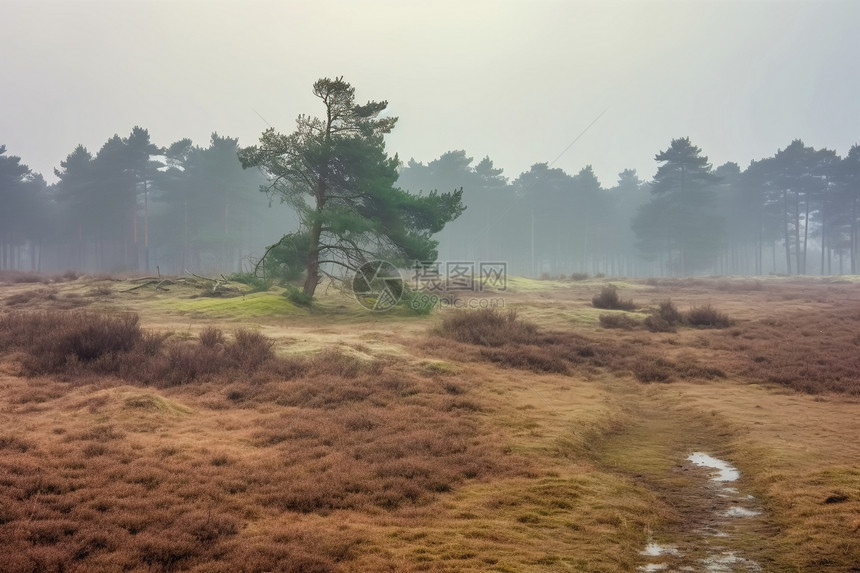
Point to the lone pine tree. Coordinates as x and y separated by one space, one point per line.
336 173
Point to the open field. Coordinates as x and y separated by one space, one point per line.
249 434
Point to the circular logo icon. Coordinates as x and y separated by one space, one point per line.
377 285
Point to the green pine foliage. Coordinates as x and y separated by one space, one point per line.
337 174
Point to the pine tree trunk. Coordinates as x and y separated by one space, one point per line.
313 277
823 236
760 261
854 237
805 232
797 259
786 236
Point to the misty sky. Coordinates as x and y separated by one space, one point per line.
515 80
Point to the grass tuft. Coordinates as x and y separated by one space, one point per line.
707 317
610 300
487 327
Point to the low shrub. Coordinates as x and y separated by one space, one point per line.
487 327
297 296
54 340
652 370
256 284
656 323
31 296
527 357
707 317
669 312
418 302
211 337
609 299
249 349
618 321
20 277
578 276
79 344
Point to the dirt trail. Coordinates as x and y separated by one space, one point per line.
715 525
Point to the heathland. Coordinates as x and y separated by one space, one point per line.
146 426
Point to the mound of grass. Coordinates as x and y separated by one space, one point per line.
298 297
487 327
256 284
609 299
262 304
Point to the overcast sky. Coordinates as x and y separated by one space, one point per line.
515 80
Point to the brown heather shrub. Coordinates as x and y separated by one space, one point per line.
813 351
739 285
79 345
652 370
21 277
101 290
656 323
487 327
527 357
551 352
14 443
707 317
578 276
669 312
618 321
249 349
211 337
609 299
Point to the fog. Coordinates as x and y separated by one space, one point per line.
515 82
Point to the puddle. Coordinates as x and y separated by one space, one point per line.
728 562
727 506
655 550
736 511
727 472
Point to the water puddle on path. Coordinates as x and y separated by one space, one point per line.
725 471
707 551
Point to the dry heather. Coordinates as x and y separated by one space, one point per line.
810 351
518 343
487 327
22 277
107 483
127 449
618 321
609 299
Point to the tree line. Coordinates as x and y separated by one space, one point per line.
135 205
796 212
186 208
